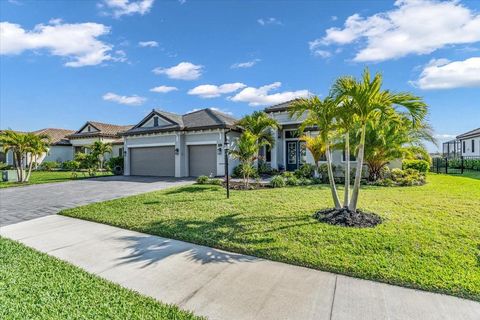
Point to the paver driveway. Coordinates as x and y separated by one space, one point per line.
29 202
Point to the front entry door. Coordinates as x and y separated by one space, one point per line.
295 154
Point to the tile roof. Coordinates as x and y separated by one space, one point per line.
196 120
471 133
279 107
57 136
104 130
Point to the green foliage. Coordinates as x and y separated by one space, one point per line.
116 165
215 181
4 166
304 181
49 165
402 178
71 165
292 181
421 166
260 125
277 182
202 179
471 164
88 162
288 174
305 171
264 168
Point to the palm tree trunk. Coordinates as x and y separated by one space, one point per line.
346 197
358 174
29 172
18 167
333 188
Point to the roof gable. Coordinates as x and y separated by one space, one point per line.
470 134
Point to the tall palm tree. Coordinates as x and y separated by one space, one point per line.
99 149
260 125
317 148
320 114
36 147
245 150
369 100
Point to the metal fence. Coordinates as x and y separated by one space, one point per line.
455 165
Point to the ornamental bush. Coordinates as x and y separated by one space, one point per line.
277 182
202 180
305 171
421 166
49 165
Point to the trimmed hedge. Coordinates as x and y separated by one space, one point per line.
421 166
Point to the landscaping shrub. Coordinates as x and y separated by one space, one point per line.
116 165
49 165
264 168
215 181
304 181
4 166
287 174
305 171
421 166
202 180
71 165
277 182
399 177
323 171
292 181
238 173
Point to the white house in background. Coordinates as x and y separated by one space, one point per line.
172 145
93 131
289 152
470 143
59 150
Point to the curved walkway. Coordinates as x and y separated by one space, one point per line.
224 285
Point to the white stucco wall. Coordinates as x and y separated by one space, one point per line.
468 147
58 154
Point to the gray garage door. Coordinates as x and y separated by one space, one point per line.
202 160
153 161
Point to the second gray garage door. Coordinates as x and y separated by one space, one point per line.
202 160
152 161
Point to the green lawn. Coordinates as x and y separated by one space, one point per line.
36 286
38 177
430 237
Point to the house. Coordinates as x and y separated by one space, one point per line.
59 150
470 143
93 131
172 145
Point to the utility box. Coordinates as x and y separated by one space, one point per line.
9 176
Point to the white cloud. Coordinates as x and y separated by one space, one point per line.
127 7
77 42
444 136
163 89
150 44
445 74
413 27
128 100
246 64
262 96
322 53
267 21
212 91
182 71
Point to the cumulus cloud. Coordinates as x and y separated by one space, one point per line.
77 42
163 89
128 100
445 74
413 27
269 21
150 44
126 7
182 71
263 96
212 91
244 65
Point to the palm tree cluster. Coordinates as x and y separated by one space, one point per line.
26 148
257 133
361 116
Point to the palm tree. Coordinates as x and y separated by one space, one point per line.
368 101
317 148
260 125
99 149
36 147
320 114
245 150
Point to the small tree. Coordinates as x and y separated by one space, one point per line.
99 149
317 148
245 150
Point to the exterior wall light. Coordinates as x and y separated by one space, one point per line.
177 151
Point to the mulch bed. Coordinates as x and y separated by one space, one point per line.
347 218
236 185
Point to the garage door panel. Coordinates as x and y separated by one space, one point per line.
153 161
202 160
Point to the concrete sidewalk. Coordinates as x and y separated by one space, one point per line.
223 285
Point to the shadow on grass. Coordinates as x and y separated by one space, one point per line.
191 189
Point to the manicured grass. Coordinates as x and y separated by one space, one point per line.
38 177
36 286
430 237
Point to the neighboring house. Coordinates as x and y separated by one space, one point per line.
173 145
289 152
93 131
470 143
59 150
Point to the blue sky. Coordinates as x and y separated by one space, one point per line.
65 62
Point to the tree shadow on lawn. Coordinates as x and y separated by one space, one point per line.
228 229
191 189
